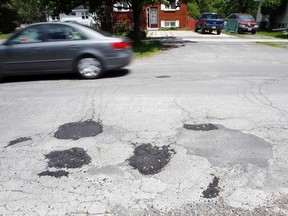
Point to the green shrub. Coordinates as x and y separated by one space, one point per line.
142 34
121 28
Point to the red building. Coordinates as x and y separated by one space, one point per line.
156 16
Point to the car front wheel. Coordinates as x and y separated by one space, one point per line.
89 68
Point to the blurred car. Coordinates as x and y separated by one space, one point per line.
241 23
62 47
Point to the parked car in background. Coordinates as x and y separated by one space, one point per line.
240 23
62 47
210 22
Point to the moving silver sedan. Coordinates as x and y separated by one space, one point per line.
62 47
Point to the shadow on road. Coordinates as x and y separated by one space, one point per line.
55 77
171 43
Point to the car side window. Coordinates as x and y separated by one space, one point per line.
63 33
33 34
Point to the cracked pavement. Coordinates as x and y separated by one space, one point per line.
241 88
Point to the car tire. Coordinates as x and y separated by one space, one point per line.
202 30
253 32
240 31
219 32
196 29
89 67
1 75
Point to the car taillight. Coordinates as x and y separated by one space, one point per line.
121 45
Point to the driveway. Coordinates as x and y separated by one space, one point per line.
213 37
199 129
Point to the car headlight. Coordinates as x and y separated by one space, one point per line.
256 26
241 25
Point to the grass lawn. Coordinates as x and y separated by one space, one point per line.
4 36
279 45
146 48
273 34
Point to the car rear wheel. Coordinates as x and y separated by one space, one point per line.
218 32
89 68
1 75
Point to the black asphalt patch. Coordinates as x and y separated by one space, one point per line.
200 127
71 158
56 174
150 159
77 130
19 140
164 76
213 189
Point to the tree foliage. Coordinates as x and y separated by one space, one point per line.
16 12
28 11
7 18
223 7
272 8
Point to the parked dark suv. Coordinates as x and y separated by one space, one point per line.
241 23
209 21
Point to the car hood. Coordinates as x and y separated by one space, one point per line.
248 23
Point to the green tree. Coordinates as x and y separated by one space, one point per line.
7 18
28 11
15 12
193 10
223 7
227 7
272 8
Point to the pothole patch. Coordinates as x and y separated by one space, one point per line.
150 159
227 147
77 130
19 140
71 158
56 174
213 189
200 127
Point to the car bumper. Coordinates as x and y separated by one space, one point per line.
248 29
120 61
214 27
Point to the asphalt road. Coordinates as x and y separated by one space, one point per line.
199 129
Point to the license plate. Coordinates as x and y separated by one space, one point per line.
214 27
249 29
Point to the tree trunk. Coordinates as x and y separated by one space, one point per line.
137 9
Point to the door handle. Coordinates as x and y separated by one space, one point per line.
74 47
36 49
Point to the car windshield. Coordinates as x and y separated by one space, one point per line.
97 30
210 16
246 18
